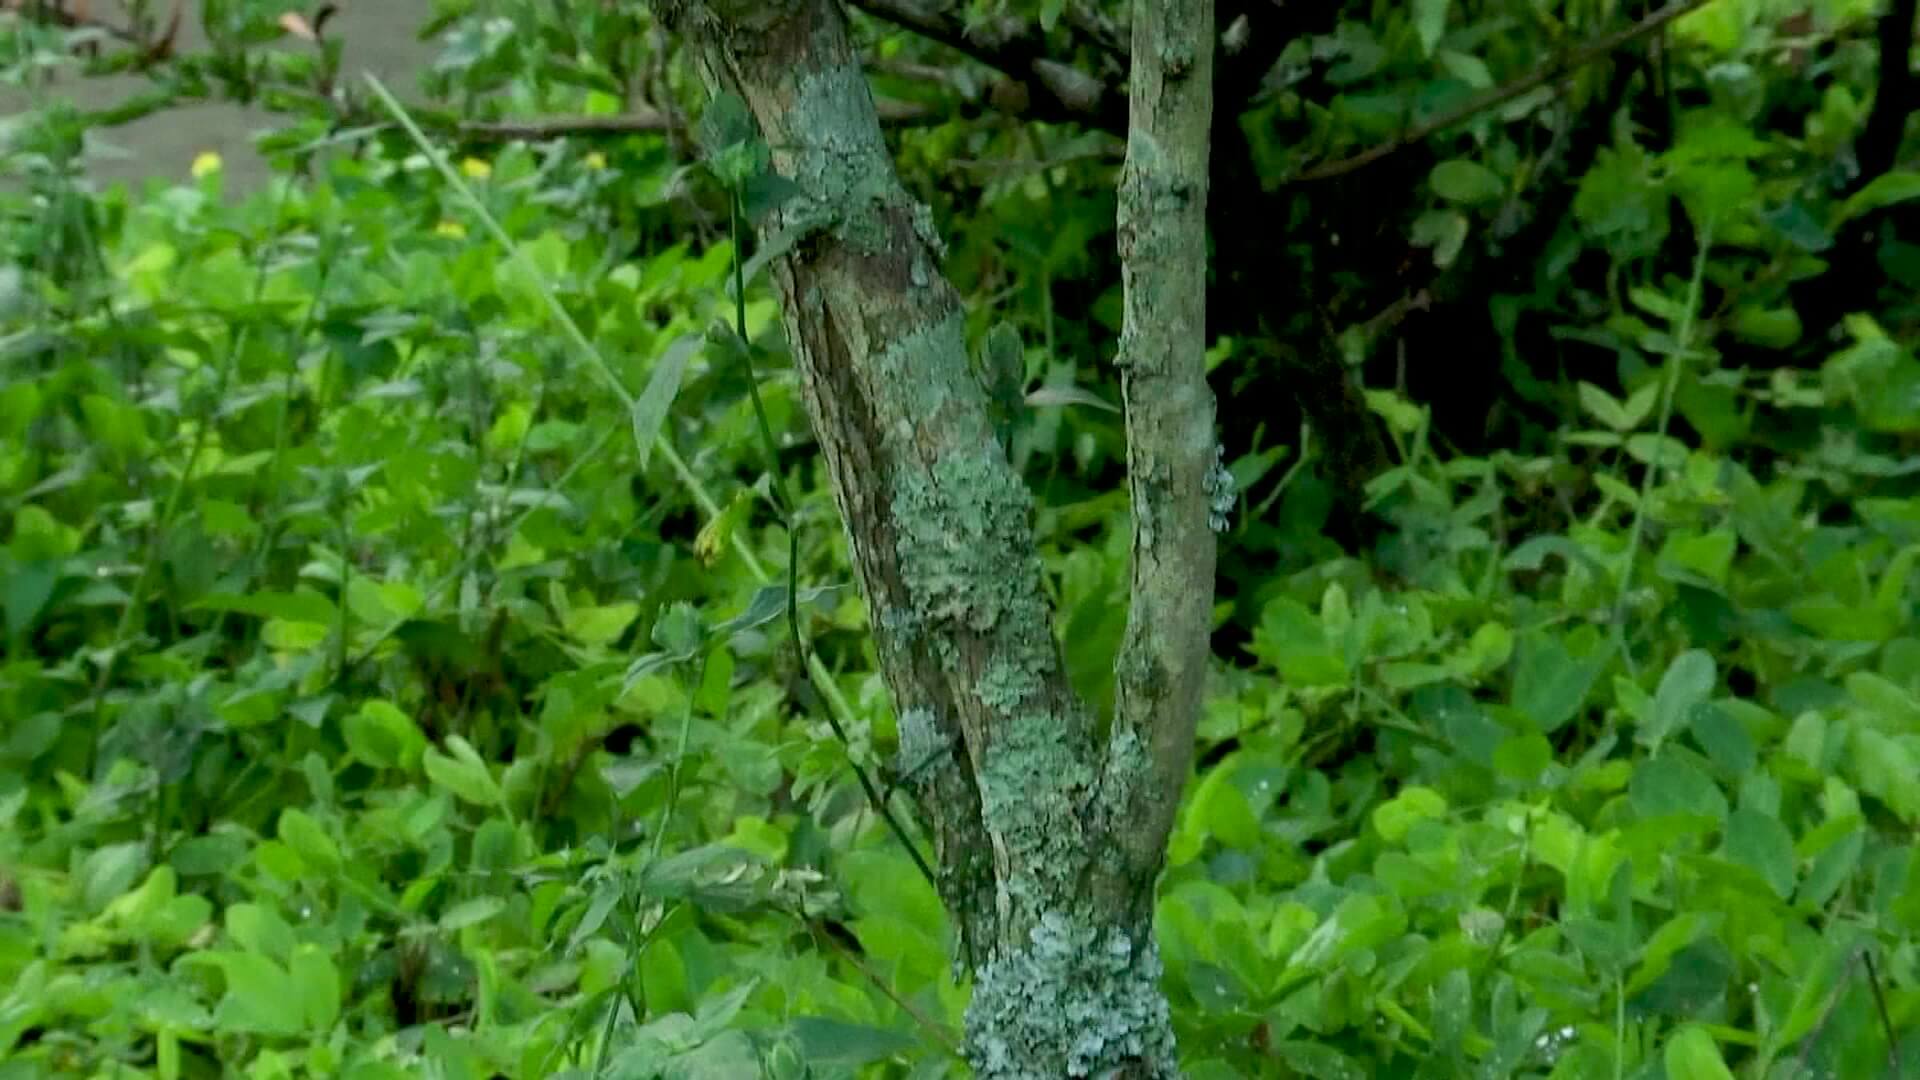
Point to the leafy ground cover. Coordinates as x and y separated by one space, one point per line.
394 687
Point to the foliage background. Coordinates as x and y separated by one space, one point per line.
392 687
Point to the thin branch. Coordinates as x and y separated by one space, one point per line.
648 120
1175 484
1018 49
1550 71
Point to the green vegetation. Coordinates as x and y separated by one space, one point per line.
397 563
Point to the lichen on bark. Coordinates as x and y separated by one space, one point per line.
1048 839
1076 1000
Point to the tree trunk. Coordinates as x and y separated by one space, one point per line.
1049 833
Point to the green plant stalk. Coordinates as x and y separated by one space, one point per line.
1676 364
822 678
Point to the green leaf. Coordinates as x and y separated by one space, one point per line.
600 626
1462 180
1394 817
260 997
1318 1061
1669 785
1887 189
313 973
299 831
471 912
1605 408
1724 739
258 928
462 773
110 871
1549 685
663 385
1761 843
382 736
825 1041
1688 682
1430 22
1444 231
1691 1055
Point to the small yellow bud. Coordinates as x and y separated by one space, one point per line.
206 163
476 169
452 229
596 161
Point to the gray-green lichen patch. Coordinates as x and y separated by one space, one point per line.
1222 492
927 231
920 739
964 543
925 372
837 155
1075 1001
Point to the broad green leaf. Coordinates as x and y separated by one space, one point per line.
260 997
312 971
1670 785
825 1041
259 928
1897 186
462 772
1761 843
602 625
1394 817
1465 181
299 831
1688 682
1430 22
1691 1055
1605 408
663 385
471 912
1549 685
382 736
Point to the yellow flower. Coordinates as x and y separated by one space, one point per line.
476 169
207 162
596 161
452 229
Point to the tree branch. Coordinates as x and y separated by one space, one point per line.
1013 46
1878 148
648 120
1550 71
1172 476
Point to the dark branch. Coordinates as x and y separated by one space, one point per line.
645 121
1548 72
1878 148
1056 91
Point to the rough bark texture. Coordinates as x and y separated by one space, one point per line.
1049 834
1179 487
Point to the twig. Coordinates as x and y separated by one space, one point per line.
1492 99
932 1027
1886 1017
648 120
1017 49
1826 1014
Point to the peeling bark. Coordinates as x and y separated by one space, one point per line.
1049 835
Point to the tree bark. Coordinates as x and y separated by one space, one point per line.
1049 832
